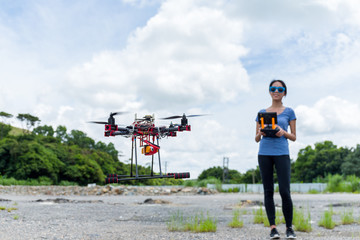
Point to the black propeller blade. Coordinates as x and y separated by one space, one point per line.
178 116
111 119
98 122
117 113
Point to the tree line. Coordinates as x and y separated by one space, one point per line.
60 156
313 164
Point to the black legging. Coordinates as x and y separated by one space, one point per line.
282 165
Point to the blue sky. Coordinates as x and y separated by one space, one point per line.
69 62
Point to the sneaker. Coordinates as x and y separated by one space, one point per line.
290 233
274 234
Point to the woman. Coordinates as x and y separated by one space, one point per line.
275 151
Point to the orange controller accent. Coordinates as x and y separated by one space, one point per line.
273 123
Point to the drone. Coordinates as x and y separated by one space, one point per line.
144 131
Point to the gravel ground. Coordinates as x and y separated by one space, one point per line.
128 217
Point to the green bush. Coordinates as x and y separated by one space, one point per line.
337 183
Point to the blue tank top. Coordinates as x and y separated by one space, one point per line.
277 146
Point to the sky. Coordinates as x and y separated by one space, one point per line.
70 62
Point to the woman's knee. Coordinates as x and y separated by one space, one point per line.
269 193
285 193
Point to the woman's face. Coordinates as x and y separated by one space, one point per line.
277 95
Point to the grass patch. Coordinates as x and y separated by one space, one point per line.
2 208
197 223
232 190
326 220
301 222
236 222
16 217
279 218
347 217
313 191
11 209
17 131
259 216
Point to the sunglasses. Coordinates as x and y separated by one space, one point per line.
280 89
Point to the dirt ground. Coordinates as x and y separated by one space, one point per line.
147 217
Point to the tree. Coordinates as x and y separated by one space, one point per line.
44 130
216 172
61 134
252 176
352 162
80 138
324 159
5 115
30 120
4 127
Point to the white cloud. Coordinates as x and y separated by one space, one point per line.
142 3
328 115
187 54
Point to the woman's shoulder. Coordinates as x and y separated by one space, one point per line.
289 111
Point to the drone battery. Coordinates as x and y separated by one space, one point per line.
182 175
111 180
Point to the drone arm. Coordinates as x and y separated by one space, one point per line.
118 131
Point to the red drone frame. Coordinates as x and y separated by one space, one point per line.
145 131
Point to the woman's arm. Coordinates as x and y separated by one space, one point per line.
292 135
258 133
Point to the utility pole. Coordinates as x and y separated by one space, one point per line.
225 170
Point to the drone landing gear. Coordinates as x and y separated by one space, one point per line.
149 149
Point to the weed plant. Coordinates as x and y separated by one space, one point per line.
259 215
313 191
177 222
347 217
236 222
230 190
11 209
197 223
279 218
326 220
301 223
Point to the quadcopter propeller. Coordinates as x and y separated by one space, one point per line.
111 119
178 116
117 113
98 122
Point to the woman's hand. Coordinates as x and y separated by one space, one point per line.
281 132
259 133
262 133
